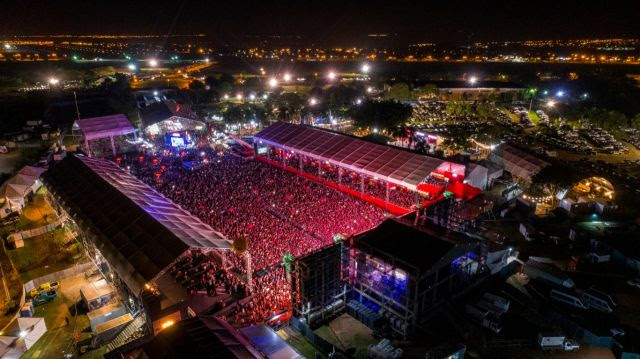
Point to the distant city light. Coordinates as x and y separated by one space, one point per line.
153 62
560 93
132 67
226 96
331 75
365 68
358 101
273 82
287 77
206 59
550 103
585 95
375 130
265 96
53 81
155 93
312 101
252 97
369 89
473 80
239 97
7 46
545 92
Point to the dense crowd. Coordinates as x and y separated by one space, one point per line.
276 211
398 195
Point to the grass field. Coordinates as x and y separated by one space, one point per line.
346 333
59 337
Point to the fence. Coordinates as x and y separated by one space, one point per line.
37 231
324 346
56 276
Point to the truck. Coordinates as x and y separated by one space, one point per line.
553 341
484 317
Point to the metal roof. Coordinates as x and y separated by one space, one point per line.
517 162
379 161
103 127
139 231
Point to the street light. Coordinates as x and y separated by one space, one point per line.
369 89
473 80
153 62
331 75
313 101
550 103
560 93
239 97
273 82
252 97
53 81
132 67
226 96
287 77
358 101
365 68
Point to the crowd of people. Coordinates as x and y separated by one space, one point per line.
274 210
398 195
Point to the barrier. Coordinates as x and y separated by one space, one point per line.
37 231
56 276
394 209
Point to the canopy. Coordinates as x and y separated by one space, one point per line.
379 161
103 127
32 171
138 230
517 162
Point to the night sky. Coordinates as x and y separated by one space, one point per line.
328 22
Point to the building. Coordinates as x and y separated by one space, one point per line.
395 273
167 116
522 165
19 188
134 235
479 91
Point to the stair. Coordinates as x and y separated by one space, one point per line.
132 331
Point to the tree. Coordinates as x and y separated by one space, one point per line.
554 178
383 115
196 85
398 92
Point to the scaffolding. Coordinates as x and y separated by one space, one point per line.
317 289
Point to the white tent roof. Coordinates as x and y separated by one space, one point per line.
518 162
190 229
379 161
103 127
13 191
32 171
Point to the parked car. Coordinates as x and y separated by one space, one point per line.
45 287
44 297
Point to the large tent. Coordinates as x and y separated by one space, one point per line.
517 162
102 127
138 231
387 163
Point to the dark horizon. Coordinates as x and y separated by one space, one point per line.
329 22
